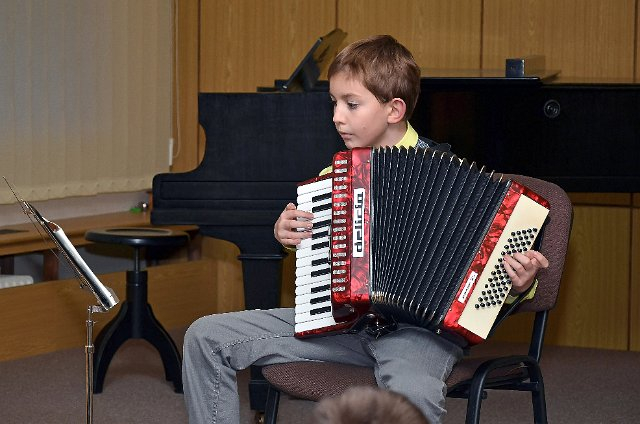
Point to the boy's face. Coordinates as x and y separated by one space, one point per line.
361 120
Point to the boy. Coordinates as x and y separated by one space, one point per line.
374 85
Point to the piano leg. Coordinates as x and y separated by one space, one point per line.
262 275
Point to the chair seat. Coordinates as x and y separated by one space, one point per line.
317 380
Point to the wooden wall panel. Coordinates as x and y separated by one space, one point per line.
593 38
634 297
593 308
245 43
51 316
185 85
440 34
636 65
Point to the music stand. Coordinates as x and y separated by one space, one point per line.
105 296
316 61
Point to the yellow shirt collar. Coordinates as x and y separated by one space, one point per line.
410 139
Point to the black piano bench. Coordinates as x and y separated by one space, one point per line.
135 319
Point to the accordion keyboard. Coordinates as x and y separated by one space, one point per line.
313 268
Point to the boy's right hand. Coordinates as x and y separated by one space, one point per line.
292 226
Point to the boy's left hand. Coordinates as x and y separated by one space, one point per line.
523 267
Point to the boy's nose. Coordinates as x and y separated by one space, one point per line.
337 116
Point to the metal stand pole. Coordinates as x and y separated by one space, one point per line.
89 362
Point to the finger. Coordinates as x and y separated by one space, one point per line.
303 215
293 214
292 229
513 276
294 237
290 241
519 278
299 225
293 241
510 262
522 260
539 257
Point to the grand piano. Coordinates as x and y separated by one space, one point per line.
584 136
259 146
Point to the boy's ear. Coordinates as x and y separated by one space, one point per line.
398 108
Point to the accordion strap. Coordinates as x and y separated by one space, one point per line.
374 325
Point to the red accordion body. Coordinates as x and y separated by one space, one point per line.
416 235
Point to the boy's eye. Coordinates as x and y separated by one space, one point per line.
352 105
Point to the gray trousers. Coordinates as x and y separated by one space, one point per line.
411 360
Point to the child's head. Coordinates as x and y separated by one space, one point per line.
367 405
384 66
374 84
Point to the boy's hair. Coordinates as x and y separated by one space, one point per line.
367 405
386 68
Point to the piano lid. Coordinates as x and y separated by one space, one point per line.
432 76
519 70
259 147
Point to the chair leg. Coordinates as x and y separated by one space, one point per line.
474 402
536 387
539 406
537 396
271 406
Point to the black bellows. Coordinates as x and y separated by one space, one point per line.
430 212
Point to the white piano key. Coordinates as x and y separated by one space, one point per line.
313 271
302 271
305 261
315 186
309 207
310 270
321 222
324 231
308 197
309 316
307 288
315 324
310 243
308 307
305 206
304 280
308 251
307 297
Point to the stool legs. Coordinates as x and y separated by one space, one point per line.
135 320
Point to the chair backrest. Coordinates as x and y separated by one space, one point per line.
555 241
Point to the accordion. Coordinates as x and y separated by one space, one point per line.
413 235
